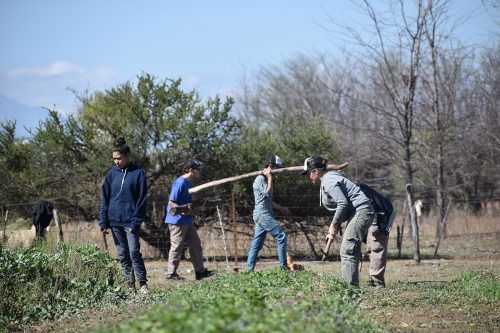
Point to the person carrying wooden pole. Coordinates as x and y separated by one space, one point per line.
263 216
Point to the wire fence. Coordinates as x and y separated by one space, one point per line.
227 235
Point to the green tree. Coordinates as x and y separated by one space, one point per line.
16 158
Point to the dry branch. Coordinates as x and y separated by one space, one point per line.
256 173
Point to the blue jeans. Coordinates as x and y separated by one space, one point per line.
262 226
129 252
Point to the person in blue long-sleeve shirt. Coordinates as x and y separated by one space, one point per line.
123 208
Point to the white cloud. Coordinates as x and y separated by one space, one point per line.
48 86
55 69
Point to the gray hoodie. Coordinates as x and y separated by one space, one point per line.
342 196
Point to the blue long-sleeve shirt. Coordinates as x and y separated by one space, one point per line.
124 197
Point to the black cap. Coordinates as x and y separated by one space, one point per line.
314 162
193 164
274 160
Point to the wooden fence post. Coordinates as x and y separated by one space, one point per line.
235 233
399 239
57 220
5 224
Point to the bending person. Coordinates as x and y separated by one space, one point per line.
341 196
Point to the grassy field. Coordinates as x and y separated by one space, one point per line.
456 291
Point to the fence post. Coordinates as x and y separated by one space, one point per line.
5 224
57 220
400 235
235 233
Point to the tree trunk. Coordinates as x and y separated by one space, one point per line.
440 195
441 233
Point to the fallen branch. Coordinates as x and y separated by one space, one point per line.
256 173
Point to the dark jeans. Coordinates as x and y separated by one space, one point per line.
129 252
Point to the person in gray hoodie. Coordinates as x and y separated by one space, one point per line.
341 196
123 208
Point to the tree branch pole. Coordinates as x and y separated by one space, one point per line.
256 173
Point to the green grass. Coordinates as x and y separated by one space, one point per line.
46 281
470 301
268 301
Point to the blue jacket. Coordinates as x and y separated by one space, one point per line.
124 198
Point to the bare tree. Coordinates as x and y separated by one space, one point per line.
392 64
447 70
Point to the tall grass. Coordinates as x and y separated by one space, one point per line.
47 281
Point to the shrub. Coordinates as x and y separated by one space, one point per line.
42 282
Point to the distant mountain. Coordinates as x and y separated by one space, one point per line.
24 115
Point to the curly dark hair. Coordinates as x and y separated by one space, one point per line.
120 146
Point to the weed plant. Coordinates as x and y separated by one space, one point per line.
268 301
47 281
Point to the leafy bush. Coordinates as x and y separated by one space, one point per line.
43 282
269 301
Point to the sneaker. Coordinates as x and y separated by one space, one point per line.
204 274
372 283
173 276
144 289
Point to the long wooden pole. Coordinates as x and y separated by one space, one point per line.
256 173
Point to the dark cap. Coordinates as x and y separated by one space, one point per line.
274 160
314 162
193 164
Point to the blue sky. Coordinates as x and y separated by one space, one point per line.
47 46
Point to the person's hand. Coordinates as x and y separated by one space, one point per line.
285 211
267 172
188 211
134 228
332 231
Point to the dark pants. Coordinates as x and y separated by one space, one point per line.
129 252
